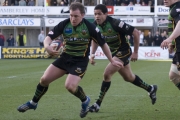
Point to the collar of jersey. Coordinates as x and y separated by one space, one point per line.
174 4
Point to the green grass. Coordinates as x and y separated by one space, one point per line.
123 101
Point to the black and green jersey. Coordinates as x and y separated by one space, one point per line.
174 17
114 31
77 40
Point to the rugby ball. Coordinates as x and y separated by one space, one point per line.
58 46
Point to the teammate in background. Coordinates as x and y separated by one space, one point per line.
77 33
174 35
114 32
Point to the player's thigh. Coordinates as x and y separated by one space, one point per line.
72 82
110 69
127 73
52 73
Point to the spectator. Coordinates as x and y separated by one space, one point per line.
66 2
157 39
61 3
16 3
53 2
31 3
141 38
165 33
126 2
160 2
143 4
130 40
118 2
131 3
41 38
5 3
21 39
145 1
149 39
108 2
163 36
40 2
10 40
2 39
151 4
137 3
22 3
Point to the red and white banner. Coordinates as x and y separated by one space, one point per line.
145 53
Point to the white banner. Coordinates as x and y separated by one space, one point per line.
150 53
51 22
20 22
162 10
145 53
132 10
64 10
139 22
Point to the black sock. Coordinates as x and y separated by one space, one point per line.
138 82
40 91
104 88
80 94
178 85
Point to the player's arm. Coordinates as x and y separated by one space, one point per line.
127 29
54 33
176 17
136 40
176 32
94 47
98 38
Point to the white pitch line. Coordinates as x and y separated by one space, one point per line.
11 76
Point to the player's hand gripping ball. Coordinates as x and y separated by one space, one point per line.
57 46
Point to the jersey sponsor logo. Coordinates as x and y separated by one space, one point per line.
68 30
97 29
51 32
178 10
76 39
121 24
109 30
84 32
78 70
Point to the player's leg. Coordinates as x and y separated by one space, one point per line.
128 76
109 71
76 73
174 75
51 74
72 86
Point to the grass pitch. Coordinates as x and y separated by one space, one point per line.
123 101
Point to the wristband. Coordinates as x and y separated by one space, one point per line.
92 55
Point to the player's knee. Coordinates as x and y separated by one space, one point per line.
43 81
70 87
174 77
107 76
129 78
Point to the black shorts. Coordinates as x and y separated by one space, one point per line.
176 60
73 65
124 56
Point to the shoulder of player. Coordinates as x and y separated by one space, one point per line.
176 9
